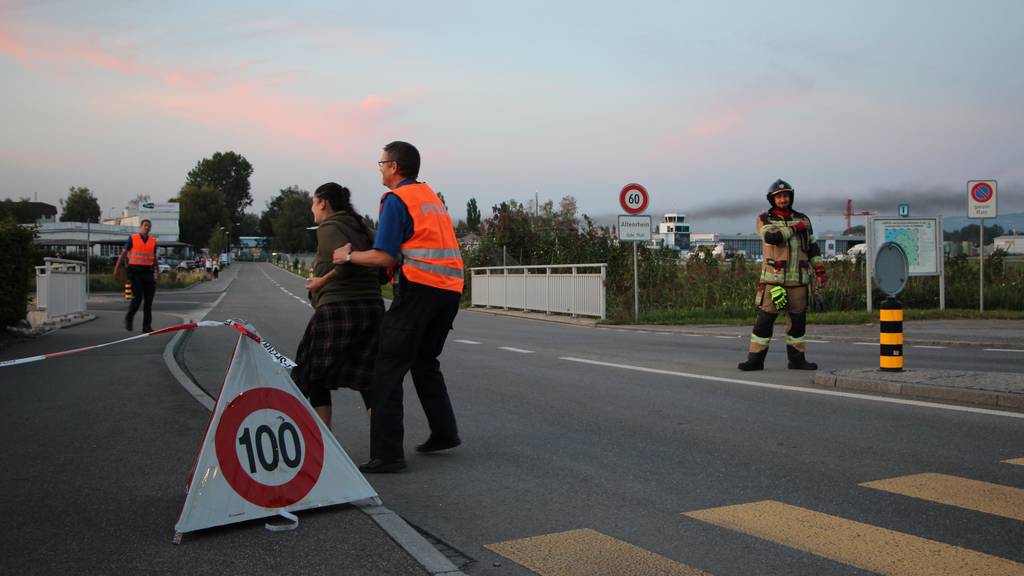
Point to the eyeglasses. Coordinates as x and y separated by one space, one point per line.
381 163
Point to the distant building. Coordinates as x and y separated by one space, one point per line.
26 212
163 216
749 245
673 233
1013 245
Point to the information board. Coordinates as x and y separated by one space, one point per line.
920 238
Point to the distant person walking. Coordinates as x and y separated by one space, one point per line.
141 271
340 344
789 251
416 243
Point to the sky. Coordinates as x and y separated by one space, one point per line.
703 103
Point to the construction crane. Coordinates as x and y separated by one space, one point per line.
848 214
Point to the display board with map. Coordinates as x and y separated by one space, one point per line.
920 238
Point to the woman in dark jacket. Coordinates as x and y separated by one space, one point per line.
339 346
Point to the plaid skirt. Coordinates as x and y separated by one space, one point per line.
339 347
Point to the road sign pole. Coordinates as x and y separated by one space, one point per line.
981 267
636 288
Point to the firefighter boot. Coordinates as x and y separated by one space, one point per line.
797 360
755 361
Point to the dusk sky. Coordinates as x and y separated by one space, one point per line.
703 103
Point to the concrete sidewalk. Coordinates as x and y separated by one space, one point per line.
988 389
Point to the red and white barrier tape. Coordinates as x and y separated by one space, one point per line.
237 325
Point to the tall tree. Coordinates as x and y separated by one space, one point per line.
79 206
290 219
202 211
228 173
472 216
249 225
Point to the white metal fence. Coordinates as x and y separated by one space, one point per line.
554 289
60 287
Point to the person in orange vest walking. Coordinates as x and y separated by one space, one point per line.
416 243
142 270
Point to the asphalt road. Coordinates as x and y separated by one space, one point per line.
603 451
616 435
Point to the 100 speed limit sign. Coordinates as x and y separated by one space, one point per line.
269 447
633 198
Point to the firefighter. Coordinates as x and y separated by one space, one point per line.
792 261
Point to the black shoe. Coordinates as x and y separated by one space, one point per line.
128 323
755 361
797 360
378 466
435 444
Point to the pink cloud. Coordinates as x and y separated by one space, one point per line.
201 96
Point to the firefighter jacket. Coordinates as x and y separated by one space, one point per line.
142 253
789 255
431 255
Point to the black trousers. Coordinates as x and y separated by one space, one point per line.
412 337
143 290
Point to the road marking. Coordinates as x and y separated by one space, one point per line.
930 347
862 545
729 337
585 552
820 391
519 350
1002 350
1017 461
468 341
865 343
995 499
818 341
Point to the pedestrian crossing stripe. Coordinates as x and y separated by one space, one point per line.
1017 461
587 552
864 546
995 499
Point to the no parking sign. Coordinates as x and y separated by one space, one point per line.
265 451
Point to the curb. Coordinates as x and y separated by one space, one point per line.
920 384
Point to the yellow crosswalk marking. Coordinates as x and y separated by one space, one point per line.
1017 461
984 497
862 545
588 552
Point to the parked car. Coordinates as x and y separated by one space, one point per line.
163 267
186 265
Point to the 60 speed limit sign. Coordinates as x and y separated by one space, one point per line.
269 447
633 198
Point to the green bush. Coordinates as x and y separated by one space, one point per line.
16 270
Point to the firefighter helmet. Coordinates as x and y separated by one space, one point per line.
778 187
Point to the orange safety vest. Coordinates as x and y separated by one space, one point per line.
142 253
431 255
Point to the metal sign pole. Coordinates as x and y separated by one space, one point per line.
636 288
981 267
942 266
868 255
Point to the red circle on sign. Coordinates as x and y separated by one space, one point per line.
981 192
245 485
631 207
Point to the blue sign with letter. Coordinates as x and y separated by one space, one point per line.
904 210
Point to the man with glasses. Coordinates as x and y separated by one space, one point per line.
416 243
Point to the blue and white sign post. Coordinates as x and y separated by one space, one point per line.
903 210
981 204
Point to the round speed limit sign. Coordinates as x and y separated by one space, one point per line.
633 198
269 448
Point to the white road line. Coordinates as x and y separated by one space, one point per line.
519 350
817 341
865 343
929 347
728 337
820 391
1002 350
468 341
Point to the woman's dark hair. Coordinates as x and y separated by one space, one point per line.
340 200
406 156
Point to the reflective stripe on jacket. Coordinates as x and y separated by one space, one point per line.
142 253
431 255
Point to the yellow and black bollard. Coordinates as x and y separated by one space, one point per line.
127 290
891 335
